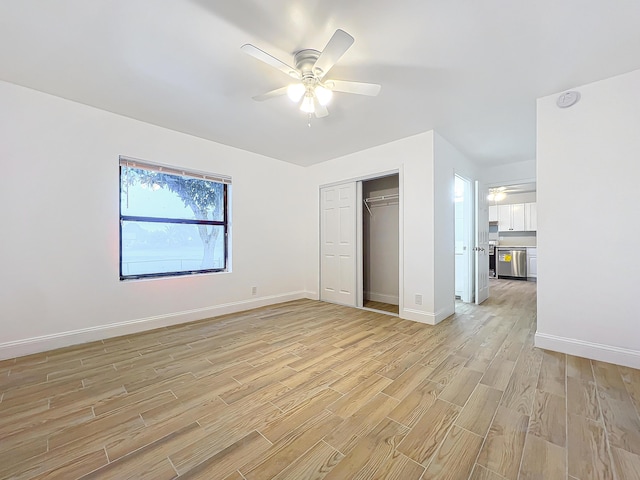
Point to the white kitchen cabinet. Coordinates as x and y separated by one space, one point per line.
493 213
517 215
532 263
511 218
504 218
531 217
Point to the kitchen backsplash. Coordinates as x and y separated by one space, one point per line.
519 239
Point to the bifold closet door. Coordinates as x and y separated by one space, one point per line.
338 247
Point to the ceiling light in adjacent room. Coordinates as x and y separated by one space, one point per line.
496 194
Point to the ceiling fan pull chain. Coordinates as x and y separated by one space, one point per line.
309 121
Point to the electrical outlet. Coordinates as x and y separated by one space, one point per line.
418 299
254 290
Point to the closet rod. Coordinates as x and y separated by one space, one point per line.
382 197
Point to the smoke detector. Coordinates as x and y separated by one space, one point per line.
567 99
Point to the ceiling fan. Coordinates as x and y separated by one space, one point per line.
312 91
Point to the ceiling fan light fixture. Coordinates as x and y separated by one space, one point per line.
307 104
312 91
295 91
323 95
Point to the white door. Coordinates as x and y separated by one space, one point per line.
482 244
463 239
338 244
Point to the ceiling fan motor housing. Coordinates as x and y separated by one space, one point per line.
304 61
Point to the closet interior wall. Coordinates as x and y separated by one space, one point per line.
380 239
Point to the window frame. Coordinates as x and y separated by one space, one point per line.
126 162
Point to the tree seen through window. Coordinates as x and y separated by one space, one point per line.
171 224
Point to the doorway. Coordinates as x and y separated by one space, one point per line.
463 239
380 244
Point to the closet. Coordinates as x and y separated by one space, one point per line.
360 243
380 243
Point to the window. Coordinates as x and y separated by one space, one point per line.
172 221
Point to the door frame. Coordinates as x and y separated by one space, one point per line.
359 239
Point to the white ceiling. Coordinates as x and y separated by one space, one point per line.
519 188
469 69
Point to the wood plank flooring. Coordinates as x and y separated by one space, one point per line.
310 390
383 307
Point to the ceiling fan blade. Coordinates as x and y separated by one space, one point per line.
320 110
273 93
335 49
360 88
270 60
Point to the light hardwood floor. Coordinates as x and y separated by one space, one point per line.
381 306
309 390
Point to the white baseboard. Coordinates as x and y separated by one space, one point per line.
311 295
445 313
418 316
28 346
430 318
381 297
594 351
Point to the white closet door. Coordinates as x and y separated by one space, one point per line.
338 244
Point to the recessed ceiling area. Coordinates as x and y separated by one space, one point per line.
469 70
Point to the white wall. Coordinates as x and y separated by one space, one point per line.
59 247
589 222
412 157
381 242
426 165
449 162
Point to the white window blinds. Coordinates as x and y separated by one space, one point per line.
157 167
